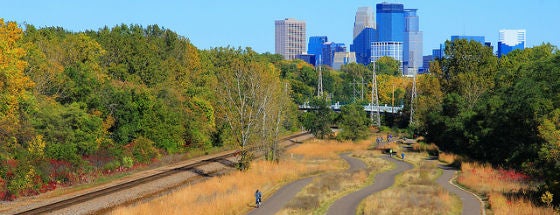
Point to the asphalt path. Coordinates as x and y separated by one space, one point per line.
279 199
349 203
471 205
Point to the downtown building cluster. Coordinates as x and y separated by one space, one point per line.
391 31
396 34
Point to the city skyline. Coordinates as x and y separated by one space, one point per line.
249 23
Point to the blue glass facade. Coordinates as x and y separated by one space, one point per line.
309 58
362 45
504 49
390 22
479 39
315 45
329 48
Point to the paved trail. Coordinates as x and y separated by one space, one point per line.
471 205
349 203
277 201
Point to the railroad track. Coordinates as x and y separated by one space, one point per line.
222 158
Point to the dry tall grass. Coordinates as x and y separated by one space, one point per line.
414 192
324 190
447 157
496 184
233 194
502 205
485 179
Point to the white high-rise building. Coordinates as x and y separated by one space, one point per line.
389 49
364 19
512 37
290 38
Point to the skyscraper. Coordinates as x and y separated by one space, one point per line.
364 19
329 49
315 45
389 49
479 39
390 22
511 40
343 58
364 34
290 38
413 41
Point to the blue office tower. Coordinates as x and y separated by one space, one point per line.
390 22
511 40
362 45
479 39
315 45
329 48
413 42
309 58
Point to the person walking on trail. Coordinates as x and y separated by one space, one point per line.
402 155
258 198
390 152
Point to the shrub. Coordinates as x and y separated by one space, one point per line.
127 162
143 150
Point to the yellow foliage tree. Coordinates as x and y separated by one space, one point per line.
13 82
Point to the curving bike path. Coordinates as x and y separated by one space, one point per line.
471 205
279 199
349 203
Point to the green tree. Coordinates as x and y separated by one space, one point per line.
318 120
353 122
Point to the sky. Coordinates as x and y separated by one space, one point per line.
250 23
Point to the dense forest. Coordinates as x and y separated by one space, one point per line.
78 105
505 111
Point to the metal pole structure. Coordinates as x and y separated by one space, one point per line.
375 99
320 80
413 98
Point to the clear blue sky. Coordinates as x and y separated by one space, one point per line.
215 23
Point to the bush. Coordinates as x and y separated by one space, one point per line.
127 162
143 150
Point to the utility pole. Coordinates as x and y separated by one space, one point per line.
320 80
393 100
374 99
413 95
362 95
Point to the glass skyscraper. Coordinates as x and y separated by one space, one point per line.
315 45
364 34
290 38
390 22
329 48
479 39
511 40
389 49
364 19
413 41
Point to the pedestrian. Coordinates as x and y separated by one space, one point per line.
402 155
390 152
258 198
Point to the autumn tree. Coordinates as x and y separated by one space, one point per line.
15 97
246 97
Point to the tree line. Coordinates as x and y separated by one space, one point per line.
504 111
78 105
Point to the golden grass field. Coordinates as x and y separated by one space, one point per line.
233 193
414 192
504 189
317 196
